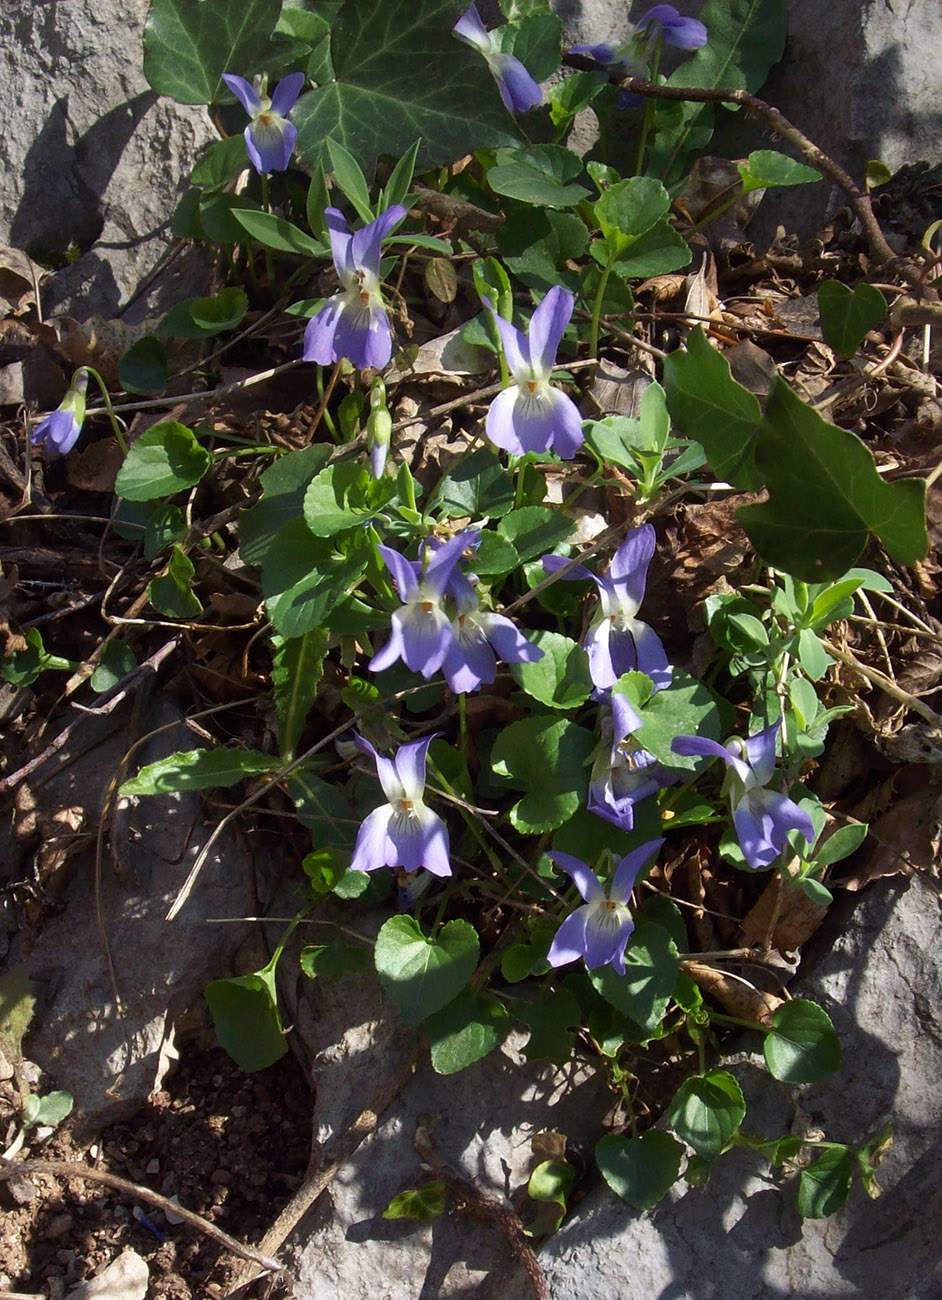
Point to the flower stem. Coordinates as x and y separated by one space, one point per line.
597 307
266 204
649 107
110 409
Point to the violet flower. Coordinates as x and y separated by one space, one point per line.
422 633
630 58
59 432
404 832
480 639
517 88
353 323
623 774
617 642
531 415
599 930
269 137
762 817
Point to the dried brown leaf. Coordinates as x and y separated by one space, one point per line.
782 918
735 995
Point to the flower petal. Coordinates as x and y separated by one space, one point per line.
547 327
404 572
385 769
470 29
445 558
363 334
569 942
373 848
598 646
469 664
367 242
410 765
270 144
578 572
701 746
682 33
427 636
763 819
421 840
649 655
630 867
58 434
516 346
626 720
760 752
319 333
244 92
607 932
340 241
567 435
287 92
583 877
509 642
519 91
499 425
629 568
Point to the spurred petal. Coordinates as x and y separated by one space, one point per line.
410 766
269 145
547 326
244 92
403 572
630 868
472 31
421 840
760 752
629 567
469 664
319 333
597 645
367 243
519 91
606 935
650 656
509 642
362 334
683 33
391 651
584 878
58 434
701 746
426 636
287 92
762 819
566 421
373 848
569 942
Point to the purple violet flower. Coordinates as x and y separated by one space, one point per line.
517 88
630 58
617 642
405 832
599 930
353 323
480 639
623 773
422 633
762 817
531 415
59 432
269 137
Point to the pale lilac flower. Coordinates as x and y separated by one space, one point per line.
622 773
59 432
630 58
531 415
422 634
353 323
480 639
599 930
405 832
517 88
617 642
762 817
269 137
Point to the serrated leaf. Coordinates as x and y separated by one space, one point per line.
198 769
848 315
824 1187
187 45
470 1027
802 1046
423 974
707 404
166 458
640 1170
248 1023
547 758
825 496
384 97
561 679
651 966
707 1111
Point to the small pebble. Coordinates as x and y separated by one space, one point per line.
152 1166
59 1226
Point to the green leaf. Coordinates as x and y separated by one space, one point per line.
349 177
117 659
421 1205
275 232
248 1023
707 404
217 220
547 758
344 495
640 1170
295 675
466 1030
535 530
535 40
222 162
165 525
658 251
686 707
825 1186
561 678
478 488
284 484
384 97
825 496
17 1001
848 315
706 1112
536 245
551 1021
802 1046
166 458
202 318
550 1184
198 769
840 844
422 974
645 989
306 578
143 368
187 45
539 175
51 1109
171 593
324 809
631 207
332 961
766 168
747 38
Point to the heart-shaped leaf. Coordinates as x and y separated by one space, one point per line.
423 974
640 1170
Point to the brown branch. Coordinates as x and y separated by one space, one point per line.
68 1169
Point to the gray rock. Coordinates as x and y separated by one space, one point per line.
111 1060
125 1278
90 158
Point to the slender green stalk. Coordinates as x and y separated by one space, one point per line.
649 108
118 433
597 306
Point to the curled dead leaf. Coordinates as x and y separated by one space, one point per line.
735 995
